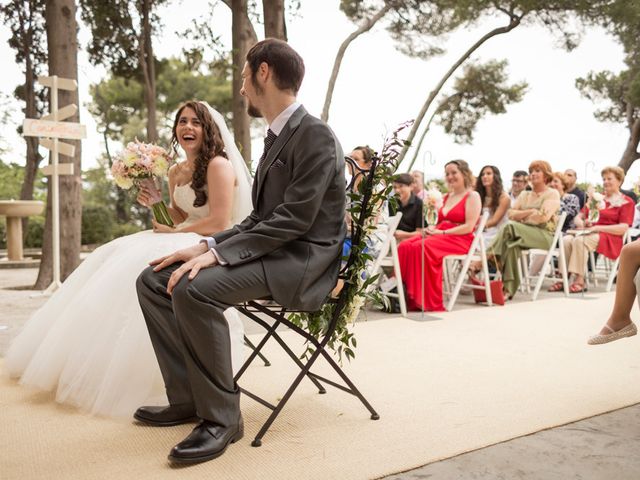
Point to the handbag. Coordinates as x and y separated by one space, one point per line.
495 287
479 295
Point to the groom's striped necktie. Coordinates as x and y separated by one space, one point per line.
268 143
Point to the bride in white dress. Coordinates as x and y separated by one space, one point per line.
89 342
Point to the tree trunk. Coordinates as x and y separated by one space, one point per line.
148 70
365 27
515 21
631 153
274 22
33 157
241 30
62 46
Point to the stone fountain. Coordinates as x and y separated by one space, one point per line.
15 210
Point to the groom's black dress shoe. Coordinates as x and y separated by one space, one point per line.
206 442
166 416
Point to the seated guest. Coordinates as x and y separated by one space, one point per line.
519 183
412 220
494 200
363 157
572 188
452 235
532 222
605 235
569 202
418 184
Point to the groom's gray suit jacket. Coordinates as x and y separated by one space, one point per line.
296 228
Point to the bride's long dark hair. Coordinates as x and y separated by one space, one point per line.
212 146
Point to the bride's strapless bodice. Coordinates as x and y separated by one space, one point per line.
184 196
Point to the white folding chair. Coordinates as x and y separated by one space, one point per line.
547 270
610 267
388 257
458 266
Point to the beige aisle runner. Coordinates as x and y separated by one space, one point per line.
442 387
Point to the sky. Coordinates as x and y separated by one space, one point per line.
378 88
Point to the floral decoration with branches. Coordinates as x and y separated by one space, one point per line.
363 209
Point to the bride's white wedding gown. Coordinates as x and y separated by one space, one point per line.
90 343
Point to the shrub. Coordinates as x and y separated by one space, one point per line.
35 232
97 224
3 234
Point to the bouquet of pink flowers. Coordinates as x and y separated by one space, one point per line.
140 163
432 203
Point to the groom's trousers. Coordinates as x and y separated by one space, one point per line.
190 334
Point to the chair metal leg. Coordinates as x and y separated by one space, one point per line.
248 343
271 333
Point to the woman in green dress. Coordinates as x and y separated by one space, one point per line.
532 222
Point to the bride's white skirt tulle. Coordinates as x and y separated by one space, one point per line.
89 341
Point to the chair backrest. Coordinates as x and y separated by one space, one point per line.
477 234
556 235
383 250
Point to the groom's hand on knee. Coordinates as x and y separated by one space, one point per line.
193 266
183 255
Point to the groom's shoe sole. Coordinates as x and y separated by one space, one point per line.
167 423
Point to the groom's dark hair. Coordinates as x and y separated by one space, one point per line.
287 65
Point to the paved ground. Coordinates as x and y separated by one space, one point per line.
600 448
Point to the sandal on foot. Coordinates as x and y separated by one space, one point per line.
628 331
577 288
556 287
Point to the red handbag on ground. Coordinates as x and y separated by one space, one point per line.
479 295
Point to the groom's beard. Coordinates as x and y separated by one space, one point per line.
253 111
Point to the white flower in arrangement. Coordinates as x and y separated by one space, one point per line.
354 308
596 199
433 196
432 203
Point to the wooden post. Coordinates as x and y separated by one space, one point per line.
52 126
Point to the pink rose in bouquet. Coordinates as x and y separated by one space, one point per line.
138 164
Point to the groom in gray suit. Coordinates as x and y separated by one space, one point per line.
287 248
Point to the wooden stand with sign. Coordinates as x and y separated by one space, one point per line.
50 129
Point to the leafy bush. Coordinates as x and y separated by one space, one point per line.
35 232
97 224
3 234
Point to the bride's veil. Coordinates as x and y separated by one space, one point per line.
242 197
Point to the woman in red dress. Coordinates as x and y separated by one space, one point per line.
452 235
603 236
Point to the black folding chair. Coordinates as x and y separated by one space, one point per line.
278 315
